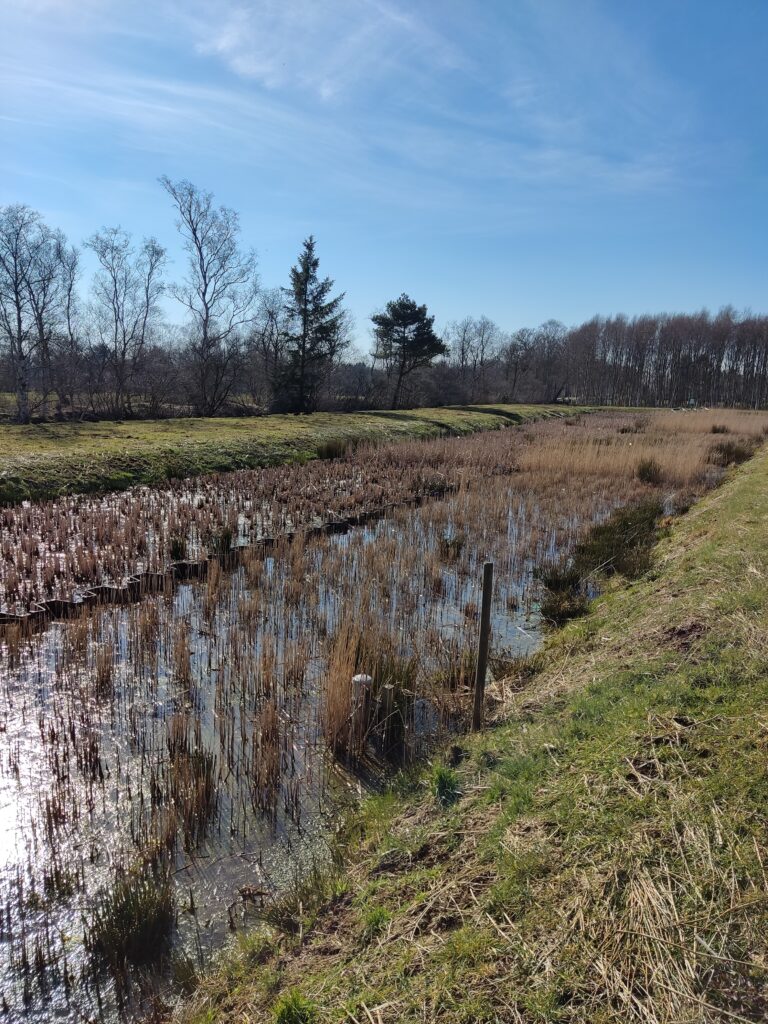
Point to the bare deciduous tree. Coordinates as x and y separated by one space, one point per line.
31 298
266 347
126 294
517 356
474 343
67 351
219 292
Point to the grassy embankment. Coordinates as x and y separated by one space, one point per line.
600 856
45 460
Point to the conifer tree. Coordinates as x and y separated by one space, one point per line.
316 333
405 340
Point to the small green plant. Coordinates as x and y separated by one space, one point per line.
650 472
457 668
294 1008
184 973
622 544
445 785
559 607
193 787
174 468
374 923
564 596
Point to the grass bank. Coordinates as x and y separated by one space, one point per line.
598 856
46 460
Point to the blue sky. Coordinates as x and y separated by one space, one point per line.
524 159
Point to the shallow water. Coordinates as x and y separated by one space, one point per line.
83 763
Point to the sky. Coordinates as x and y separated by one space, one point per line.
519 159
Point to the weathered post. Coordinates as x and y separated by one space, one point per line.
361 699
482 649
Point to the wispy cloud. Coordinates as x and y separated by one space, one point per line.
326 49
418 107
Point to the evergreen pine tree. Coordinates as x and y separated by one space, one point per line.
405 341
315 334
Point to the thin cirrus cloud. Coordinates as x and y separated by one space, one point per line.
324 49
162 117
555 94
393 75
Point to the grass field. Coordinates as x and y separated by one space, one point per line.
598 856
45 460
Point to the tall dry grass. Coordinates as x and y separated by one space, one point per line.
679 444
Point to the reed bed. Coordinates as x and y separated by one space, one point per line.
673 449
202 738
60 551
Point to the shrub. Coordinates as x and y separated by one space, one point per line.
650 472
294 1008
730 453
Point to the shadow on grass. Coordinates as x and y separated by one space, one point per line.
447 428
491 410
404 417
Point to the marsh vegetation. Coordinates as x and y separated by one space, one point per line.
197 678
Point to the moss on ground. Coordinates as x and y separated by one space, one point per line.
605 856
45 460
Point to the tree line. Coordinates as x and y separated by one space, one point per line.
106 349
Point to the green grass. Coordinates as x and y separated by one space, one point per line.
47 460
605 859
293 1008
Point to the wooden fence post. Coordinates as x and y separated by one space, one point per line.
482 650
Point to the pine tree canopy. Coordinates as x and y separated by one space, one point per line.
405 340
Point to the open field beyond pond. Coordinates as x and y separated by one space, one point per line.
45 460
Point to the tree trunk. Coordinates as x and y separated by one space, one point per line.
22 387
398 386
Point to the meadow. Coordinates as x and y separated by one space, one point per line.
199 678
45 460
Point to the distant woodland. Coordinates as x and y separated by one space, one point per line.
108 348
